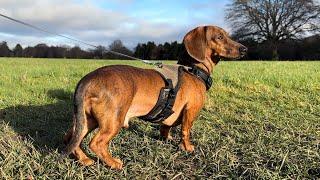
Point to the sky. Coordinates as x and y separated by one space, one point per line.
102 21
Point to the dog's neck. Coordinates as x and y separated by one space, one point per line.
208 65
205 66
186 60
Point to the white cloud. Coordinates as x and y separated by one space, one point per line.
85 20
82 20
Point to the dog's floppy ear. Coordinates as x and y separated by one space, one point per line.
195 43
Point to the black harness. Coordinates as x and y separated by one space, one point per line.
202 75
163 108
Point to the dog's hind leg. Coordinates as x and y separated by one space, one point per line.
78 152
110 122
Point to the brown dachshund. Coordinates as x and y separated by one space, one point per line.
109 96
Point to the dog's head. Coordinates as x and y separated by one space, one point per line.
206 42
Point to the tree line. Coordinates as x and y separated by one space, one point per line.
149 50
44 51
290 49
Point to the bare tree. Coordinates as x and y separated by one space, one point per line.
118 46
273 20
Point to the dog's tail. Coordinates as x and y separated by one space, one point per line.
79 119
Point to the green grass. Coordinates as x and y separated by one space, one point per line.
261 120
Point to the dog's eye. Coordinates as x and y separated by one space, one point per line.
220 37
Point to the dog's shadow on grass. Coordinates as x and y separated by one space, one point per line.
45 124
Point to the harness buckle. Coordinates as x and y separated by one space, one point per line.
166 93
209 82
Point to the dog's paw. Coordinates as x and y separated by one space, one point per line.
116 164
87 162
188 148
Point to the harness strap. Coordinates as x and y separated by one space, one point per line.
163 108
202 75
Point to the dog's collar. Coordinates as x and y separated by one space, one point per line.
202 75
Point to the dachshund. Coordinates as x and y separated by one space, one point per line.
108 97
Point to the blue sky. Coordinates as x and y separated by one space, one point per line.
102 21
181 12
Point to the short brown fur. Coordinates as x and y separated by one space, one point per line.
109 96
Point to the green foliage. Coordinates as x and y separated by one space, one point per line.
261 120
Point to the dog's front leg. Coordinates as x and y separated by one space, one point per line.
165 129
165 132
188 117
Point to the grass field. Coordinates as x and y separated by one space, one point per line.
261 120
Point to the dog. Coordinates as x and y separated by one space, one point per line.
109 96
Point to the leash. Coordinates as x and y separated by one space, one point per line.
155 63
